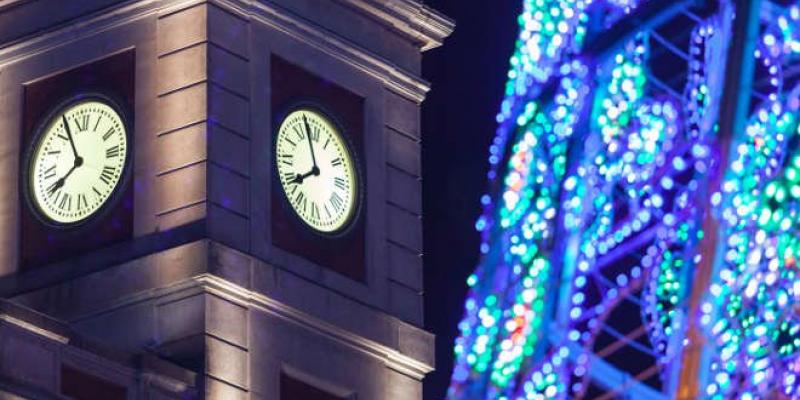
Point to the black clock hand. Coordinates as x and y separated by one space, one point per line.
60 183
300 178
314 169
71 141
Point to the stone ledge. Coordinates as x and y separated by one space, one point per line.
36 335
199 267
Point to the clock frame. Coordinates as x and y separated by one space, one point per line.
41 129
317 107
345 251
41 243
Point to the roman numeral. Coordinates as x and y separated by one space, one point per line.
289 177
94 189
53 152
112 151
82 123
300 198
82 201
66 200
286 158
96 124
328 140
315 211
50 172
299 133
107 174
340 183
108 133
63 137
336 161
336 201
291 142
315 134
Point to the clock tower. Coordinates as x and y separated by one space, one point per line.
212 198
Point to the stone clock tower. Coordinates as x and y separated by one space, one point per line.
212 199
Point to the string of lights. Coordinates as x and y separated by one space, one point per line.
597 210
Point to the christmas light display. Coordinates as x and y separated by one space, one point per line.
590 239
752 311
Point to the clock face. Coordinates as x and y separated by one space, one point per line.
316 170
77 161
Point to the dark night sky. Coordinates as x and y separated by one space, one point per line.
468 75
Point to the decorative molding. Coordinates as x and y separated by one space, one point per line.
393 358
9 4
211 284
34 329
410 17
66 33
392 76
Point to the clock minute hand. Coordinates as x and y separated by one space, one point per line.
315 168
71 141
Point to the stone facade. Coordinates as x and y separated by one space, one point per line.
200 283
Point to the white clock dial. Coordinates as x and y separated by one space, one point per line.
78 161
316 170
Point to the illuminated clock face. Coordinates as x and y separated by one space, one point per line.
77 162
316 170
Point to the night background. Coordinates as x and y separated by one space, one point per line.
467 75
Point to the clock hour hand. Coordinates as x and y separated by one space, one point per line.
300 178
315 168
60 182
78 159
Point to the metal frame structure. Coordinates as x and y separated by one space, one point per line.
546 333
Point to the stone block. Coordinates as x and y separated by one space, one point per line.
405 303
401 387
181 216
404 228
179 263
417 343
183 107
403 152
180 148
405 266
229 110
231 265
216 389
228 31
401 114
228 228
226 320
181 188
182 29
226 362
229 190
229 149
229 70
182 68
404 190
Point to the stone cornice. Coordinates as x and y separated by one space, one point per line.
410 17
420 19
391 357
212 284
393 77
